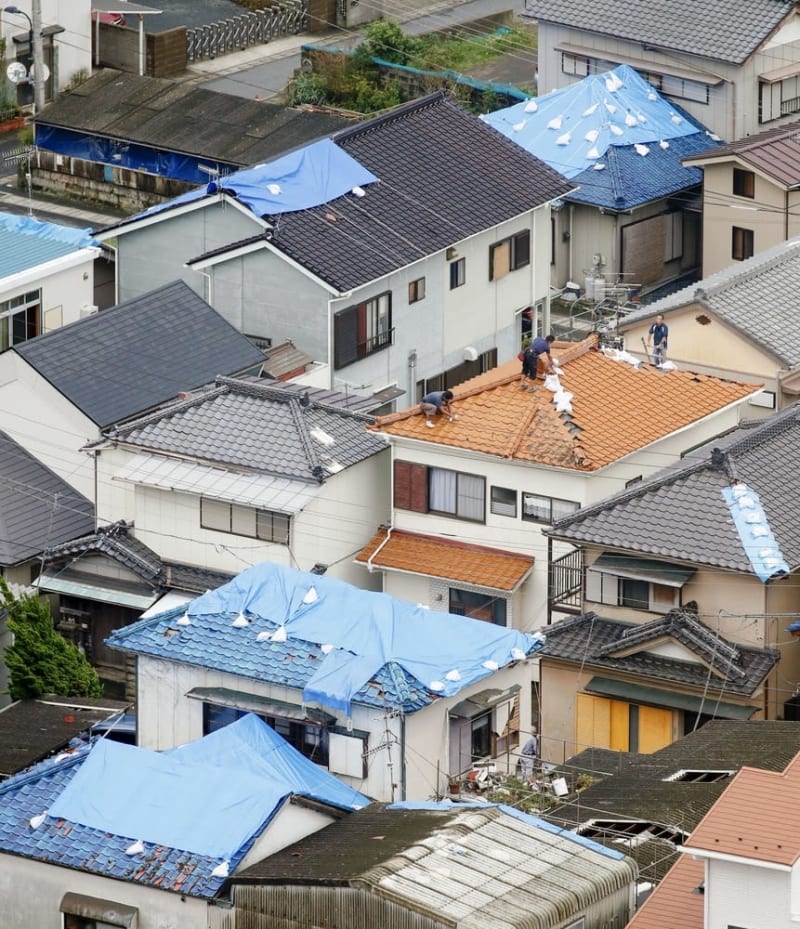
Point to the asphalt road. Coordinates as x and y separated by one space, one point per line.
189 13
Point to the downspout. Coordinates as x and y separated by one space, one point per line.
569 269
403 757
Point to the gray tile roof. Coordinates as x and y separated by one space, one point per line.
604 644
775 153
129 359
180 117
679 513
638 790
757 297
443 175
118 543
726 30
37 508
251 425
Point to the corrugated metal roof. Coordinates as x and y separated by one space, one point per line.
261 490
26 243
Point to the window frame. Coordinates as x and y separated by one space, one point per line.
742 243
259 517
458 273
454 514
458 604
416 290
606 588
743 183
27 305
497 502
362 329
519 255
526 495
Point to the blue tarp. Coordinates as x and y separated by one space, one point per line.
760 545
571 129
305 178
209 797
365 631
52 232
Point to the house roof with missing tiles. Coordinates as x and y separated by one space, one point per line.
680 514
497 418
725 30
456 561
675 902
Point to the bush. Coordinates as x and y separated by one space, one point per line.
41 661
308 88
385 39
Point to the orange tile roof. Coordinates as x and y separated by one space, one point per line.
616 409
756 817
672 903
455 561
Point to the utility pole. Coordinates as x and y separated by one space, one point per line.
38 56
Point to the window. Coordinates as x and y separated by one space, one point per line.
244 520
416 290
778 98
504 501
539 509
575 64
744 183
308 739
486 607
741 244
362 329
509 255
482 736
684 89
456 494
20 319
82 912
633 593
411 486
673 239
458 273
458 374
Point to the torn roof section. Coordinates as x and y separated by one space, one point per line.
497 418
357 646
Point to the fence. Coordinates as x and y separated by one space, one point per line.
253 28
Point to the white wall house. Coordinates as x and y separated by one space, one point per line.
418 277
395 703
512 465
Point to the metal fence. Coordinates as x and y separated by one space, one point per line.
253 28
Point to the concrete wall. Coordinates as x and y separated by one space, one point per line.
24 909
42 421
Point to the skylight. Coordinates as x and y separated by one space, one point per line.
700 776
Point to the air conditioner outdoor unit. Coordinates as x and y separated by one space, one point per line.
89 309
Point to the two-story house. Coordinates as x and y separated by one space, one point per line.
686 583
472 496
733 64
750 195
391 697
632 224
401 252
741 321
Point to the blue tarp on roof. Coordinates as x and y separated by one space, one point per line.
759 543
361 632
571 129
305 178
210 797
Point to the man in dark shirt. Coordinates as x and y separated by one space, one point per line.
657 337
539 348
439 401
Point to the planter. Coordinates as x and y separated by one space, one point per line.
9 125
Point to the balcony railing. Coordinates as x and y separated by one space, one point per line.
566 582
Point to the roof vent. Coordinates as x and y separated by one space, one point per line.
305 400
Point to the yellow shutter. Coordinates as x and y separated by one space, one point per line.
655 728
501 260
620 726
592 721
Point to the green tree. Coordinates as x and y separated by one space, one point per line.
385 39
41 661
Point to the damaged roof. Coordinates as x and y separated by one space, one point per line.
497 418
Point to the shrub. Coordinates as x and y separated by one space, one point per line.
385 39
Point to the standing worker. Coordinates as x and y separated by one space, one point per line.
439 401
657 337
530 753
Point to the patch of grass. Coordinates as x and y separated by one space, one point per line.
461 51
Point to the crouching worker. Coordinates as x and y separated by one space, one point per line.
439 401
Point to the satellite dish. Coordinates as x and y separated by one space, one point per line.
16 72
45 73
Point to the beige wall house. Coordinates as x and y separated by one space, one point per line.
690 581
734 64
751 200
740 322
515 461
